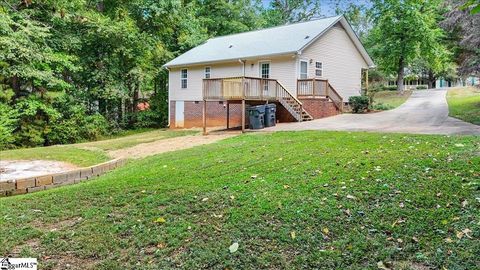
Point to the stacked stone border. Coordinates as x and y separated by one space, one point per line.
43 182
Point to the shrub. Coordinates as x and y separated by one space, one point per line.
390 87
75 124
422 87
35 120
8 121
358 103
382 107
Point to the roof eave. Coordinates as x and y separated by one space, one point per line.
167 65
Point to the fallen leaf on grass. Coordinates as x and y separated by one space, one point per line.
233 248
398 221
467 232
325 230
160 220
381 265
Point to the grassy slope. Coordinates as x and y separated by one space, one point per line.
406 188
464 104
391 99
86 154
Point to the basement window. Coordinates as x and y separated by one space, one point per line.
318 69
184 78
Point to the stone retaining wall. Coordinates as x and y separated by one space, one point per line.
43 182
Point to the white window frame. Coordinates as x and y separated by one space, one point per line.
318 69
300 68
182 79
260 71
208 74
260 63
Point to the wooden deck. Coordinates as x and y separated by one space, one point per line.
242 89
319 88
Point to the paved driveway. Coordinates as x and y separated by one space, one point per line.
425 112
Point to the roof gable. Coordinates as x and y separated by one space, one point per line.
280 40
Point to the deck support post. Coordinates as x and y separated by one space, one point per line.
243 115
204 117
228 114
366 81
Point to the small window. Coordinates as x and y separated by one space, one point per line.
184 78
208 71
318 69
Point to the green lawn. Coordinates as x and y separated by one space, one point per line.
91 153
464 104
387 100
291 200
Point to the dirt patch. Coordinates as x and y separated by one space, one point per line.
18 169
56 226
167 145
31 244
69 261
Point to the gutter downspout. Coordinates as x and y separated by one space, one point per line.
243 65
168 96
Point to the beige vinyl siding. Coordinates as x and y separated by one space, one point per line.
281 68
341 60
193 92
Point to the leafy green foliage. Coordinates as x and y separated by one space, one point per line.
8 120
35 121
404 31
359 104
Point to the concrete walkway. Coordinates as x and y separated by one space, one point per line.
425 112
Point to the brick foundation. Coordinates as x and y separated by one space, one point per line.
319 107
216 114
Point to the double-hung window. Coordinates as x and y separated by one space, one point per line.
208 72
318 69
184 78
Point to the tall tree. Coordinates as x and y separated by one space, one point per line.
464 28
358 15
289 11
403 30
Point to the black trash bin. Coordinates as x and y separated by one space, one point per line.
256 116
270 119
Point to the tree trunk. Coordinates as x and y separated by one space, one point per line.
135 97
431 80
400 72
16 85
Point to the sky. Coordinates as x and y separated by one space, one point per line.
328 6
